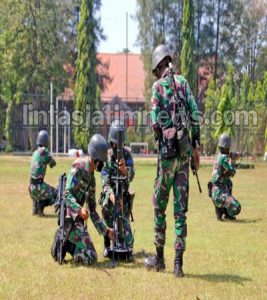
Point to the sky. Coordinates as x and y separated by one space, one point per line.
113 21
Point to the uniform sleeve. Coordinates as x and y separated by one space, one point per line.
229 168
155 109
47 158
106 183
73 208
99 223
194 116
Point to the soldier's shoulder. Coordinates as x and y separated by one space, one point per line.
42 151
180 79
222 158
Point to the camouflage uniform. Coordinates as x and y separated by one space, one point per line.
80 187
172 172
38 189
108 185
222 185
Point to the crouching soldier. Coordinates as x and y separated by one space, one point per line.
80 188
42 194
220 187
108 174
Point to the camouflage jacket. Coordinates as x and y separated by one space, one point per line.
80 187
222 170
40 159
165 111
110 169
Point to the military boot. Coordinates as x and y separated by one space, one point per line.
34 208
228 217
41 206
219 213
178 263
156 262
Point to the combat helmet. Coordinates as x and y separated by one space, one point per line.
224 141
116 126
42 138
160 52
97 148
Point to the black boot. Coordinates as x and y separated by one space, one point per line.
34 208
41 206
178 263
156 262
219 213
228 217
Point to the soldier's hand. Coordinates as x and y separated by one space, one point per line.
122 167
196 158
83 214
111 234
52 163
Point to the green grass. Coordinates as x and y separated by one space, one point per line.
222 261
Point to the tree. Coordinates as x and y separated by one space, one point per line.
227 105
187 56
212 98
32 49
87 90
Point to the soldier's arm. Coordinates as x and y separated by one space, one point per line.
194 116
73 208
229 168
155 109
48 159
106 184
99 223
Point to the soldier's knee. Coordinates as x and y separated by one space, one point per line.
238 208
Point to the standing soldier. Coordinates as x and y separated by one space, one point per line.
126 167
221 184
172 101
42 194
80 188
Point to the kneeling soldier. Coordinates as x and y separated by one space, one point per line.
80 187
221 184
42 194
109 172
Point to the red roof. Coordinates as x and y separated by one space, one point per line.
117 71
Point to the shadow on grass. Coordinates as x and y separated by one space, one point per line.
247 221
50 216
220 278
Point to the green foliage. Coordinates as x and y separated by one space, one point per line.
32 51
227 105
87 92
211 102
187 56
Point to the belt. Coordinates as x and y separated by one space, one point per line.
36 181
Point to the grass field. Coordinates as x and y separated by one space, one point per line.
223 260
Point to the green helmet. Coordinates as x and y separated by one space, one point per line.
159 54
224 141
98 147
42 138
116 126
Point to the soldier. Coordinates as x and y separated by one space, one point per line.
126 167
172 100
221 188
42 194
80 188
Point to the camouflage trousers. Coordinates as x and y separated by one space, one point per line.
84 251
42 192
108 214
172 173
222 198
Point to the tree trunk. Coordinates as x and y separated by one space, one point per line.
217 41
